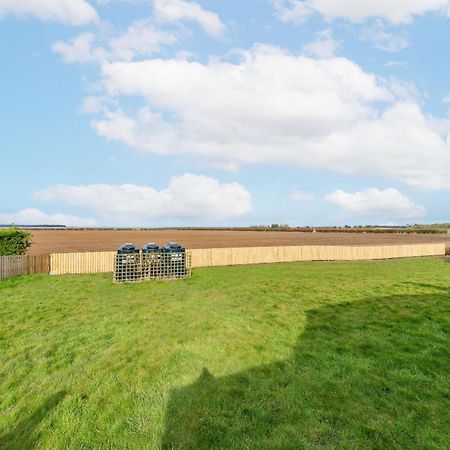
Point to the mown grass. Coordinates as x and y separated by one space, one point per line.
320 355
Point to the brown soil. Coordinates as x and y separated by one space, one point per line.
56 241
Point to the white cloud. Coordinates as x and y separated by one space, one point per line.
80 49
292 10
186 197
325 114
324 46
394 11
446 99
93 105
32 216
302 196
141 38
173 11
70 12
387 204
147 132
385 40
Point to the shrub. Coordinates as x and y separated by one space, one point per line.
14 241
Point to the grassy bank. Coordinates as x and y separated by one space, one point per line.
322 355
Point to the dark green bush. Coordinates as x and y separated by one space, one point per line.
14 241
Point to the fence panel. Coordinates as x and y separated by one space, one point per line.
11 266
38 264
79 263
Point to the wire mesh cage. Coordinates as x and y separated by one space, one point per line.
154 265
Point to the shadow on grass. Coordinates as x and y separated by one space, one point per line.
23 436
368 374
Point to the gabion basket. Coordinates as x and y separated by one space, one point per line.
129 268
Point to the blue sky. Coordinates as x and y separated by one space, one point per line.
174 112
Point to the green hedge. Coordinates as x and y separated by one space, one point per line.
14 241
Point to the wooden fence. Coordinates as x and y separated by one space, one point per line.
77 263
11 266
262 255
98 262
103 262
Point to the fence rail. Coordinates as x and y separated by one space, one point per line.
102 262
11 266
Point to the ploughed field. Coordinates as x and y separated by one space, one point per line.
61 241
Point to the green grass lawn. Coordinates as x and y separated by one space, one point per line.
288 356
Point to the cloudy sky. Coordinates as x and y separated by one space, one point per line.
208 112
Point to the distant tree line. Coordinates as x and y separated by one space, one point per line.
407 229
